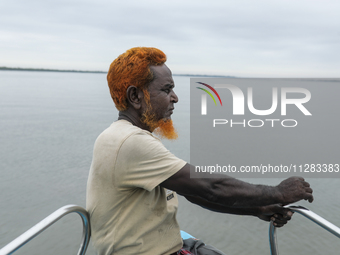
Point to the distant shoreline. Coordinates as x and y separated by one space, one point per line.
4 68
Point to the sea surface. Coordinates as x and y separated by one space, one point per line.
48 124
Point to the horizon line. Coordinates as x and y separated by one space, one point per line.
5 68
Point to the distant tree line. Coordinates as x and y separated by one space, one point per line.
4 68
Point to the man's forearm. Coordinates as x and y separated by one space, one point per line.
254 211
275 213
231 192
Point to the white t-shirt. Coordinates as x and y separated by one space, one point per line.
129 212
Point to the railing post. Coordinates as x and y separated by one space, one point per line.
272 239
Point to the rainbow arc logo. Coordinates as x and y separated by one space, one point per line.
204 98
210 93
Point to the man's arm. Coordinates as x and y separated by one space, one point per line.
276 213
230 192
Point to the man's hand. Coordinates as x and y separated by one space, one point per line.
294 189
276 213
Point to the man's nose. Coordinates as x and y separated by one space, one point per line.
174 97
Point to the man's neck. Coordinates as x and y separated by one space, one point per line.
134 119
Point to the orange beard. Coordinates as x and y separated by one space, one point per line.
166 130
163 128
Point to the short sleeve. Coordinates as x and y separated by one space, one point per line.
143 162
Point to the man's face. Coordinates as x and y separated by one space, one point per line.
162 100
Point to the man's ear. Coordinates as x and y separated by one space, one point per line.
134 97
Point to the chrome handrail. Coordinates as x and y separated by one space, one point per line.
48 221
308 214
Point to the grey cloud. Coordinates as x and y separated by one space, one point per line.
198 33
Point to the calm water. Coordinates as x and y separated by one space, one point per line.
49 122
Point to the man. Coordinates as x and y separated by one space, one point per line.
133 181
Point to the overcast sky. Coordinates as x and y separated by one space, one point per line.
245 38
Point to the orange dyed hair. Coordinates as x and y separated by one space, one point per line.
132 68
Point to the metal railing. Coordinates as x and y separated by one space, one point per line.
308 214
48 221
57 215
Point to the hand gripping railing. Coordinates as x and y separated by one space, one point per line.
308 214
48 221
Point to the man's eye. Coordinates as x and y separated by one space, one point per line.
167 91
